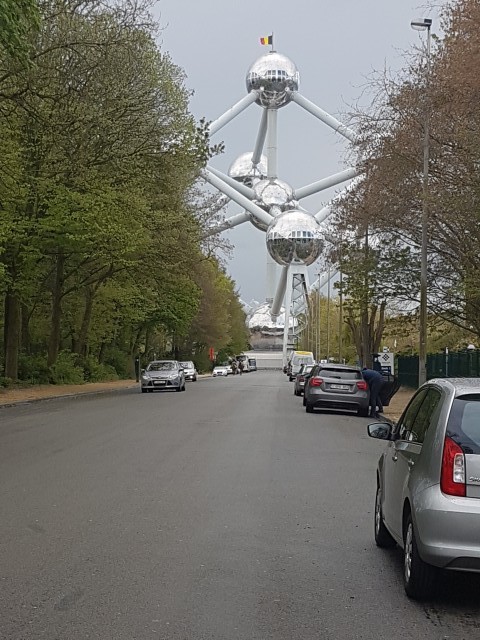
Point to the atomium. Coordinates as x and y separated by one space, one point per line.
294 236
243 170
274 76
274 193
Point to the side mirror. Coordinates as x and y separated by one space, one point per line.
380 430
284 369
181 370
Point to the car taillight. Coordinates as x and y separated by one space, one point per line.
452 479
362 385
316 382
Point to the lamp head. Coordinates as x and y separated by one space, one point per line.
420 24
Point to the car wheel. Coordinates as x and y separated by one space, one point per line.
194 379
418 576
308 408
382 536
363 412
144 390
177 389
304 401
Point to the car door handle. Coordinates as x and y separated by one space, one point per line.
394 457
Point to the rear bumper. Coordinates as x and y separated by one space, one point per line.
447 530
344 402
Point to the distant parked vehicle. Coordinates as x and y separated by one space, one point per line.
428 483
242 358
190 371
220 371
300 379
159 375
295 361
252 363
336 386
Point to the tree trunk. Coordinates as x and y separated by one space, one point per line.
12 332
57 292
82 346
25 339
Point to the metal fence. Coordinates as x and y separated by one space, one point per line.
453 364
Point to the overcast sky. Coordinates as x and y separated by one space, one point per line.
336 45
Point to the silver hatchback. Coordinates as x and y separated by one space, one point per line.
428 483
336 386
160 375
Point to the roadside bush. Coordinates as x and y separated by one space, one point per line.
96 372
5 382
33 369
120 362
65 370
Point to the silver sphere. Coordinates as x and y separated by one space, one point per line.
273 193
274 76
258 224
243 170
294 236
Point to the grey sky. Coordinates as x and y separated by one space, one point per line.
336 44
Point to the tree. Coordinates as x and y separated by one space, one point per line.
104 154
17 20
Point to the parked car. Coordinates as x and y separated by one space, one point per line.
252 364
190 371
428 483
221 370
229 368
295 361
162 374
300 379
336 386
391 385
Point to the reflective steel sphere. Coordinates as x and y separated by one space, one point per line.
258 224
273 192
294 236
243 170
272 75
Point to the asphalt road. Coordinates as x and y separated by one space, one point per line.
225 512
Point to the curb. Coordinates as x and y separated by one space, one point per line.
16 403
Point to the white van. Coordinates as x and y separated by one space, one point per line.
295 361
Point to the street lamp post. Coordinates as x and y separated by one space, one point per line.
423 24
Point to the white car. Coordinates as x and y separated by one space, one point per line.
220 371
189 370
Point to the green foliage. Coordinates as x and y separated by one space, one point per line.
6 382
17 19
66 370
33 369
100 249
95 372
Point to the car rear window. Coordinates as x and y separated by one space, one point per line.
302 360
341 374
464 423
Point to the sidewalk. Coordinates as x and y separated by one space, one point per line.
398 403
43 391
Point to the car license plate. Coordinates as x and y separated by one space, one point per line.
340 387
159 382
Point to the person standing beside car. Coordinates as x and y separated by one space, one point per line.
374 379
